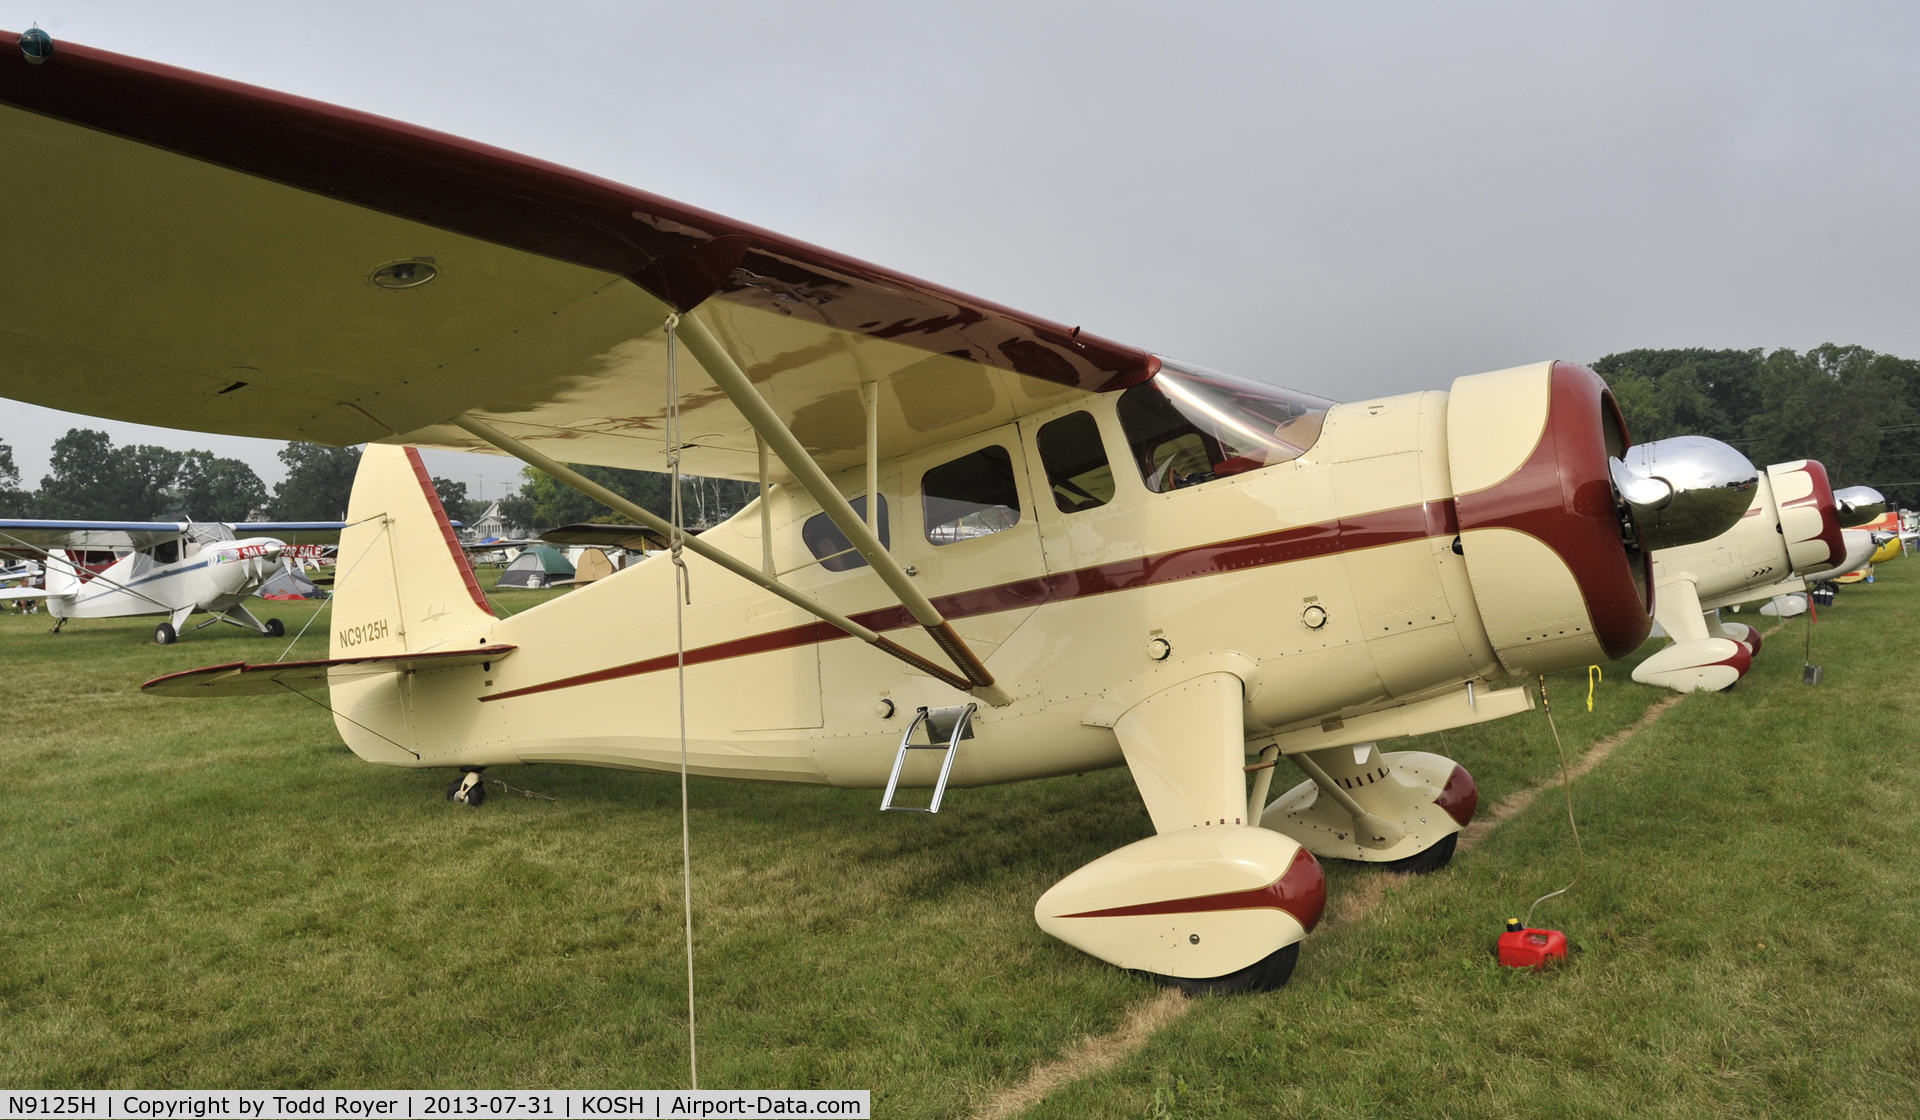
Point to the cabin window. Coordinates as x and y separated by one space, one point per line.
1188 425
973 496
831 547
1076 462
165 553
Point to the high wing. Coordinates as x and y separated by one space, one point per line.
635 537
294 270
242 679
293 532
28 538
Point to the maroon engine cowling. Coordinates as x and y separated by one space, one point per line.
1556 565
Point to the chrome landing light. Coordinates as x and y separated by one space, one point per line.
400 275
36 45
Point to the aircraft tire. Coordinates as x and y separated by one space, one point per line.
164 634
276 628
475 796
1427 862
1264 975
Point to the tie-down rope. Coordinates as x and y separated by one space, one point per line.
682 596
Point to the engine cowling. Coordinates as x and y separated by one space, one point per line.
1809 516
1552 548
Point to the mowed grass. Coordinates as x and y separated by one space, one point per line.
217 893
1746 935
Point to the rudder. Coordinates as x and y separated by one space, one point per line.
404 583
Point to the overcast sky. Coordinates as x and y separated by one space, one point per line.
1353 199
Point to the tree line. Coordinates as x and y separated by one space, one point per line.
544 502
1854 409
91 479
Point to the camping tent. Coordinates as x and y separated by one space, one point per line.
290 583
536 567
590 564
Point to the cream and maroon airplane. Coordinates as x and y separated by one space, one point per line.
1791 534
1053 552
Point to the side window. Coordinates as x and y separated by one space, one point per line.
831 547
970 497
1076 462
166 553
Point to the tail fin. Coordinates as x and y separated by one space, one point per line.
404 583
61 578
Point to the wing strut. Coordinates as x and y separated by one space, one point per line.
739 389
700 548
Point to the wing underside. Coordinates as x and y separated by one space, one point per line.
29 538
293 270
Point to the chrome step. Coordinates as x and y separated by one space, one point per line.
954 724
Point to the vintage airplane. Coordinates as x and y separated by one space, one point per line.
1056 552
159 567
1790 535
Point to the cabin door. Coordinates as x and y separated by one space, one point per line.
976 543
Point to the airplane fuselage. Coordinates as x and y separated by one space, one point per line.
211 577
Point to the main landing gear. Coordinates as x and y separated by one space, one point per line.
1399 810
165 635
470 790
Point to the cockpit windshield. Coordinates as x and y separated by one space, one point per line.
1190 425
208 532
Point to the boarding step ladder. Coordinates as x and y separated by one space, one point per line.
951 724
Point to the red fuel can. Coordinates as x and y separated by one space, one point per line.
1531 948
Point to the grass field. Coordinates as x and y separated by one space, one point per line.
217 893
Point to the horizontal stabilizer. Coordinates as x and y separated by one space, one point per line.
636 537
242 679
11 593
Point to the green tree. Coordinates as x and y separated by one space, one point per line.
216 489
1693 391
1830 404
14 502
93 480
319 481
544 502
453 499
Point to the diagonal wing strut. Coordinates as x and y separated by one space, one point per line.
987 691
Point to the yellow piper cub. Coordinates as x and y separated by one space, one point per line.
1053 551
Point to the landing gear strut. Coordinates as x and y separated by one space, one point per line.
471 789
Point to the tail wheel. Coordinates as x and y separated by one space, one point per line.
164 634
1264 975
276 628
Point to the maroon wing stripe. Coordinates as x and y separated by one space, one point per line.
1368 530
446 531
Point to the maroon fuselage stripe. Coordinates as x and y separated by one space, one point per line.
1347 534
446 531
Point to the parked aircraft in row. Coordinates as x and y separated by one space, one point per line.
159 567
1054 551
